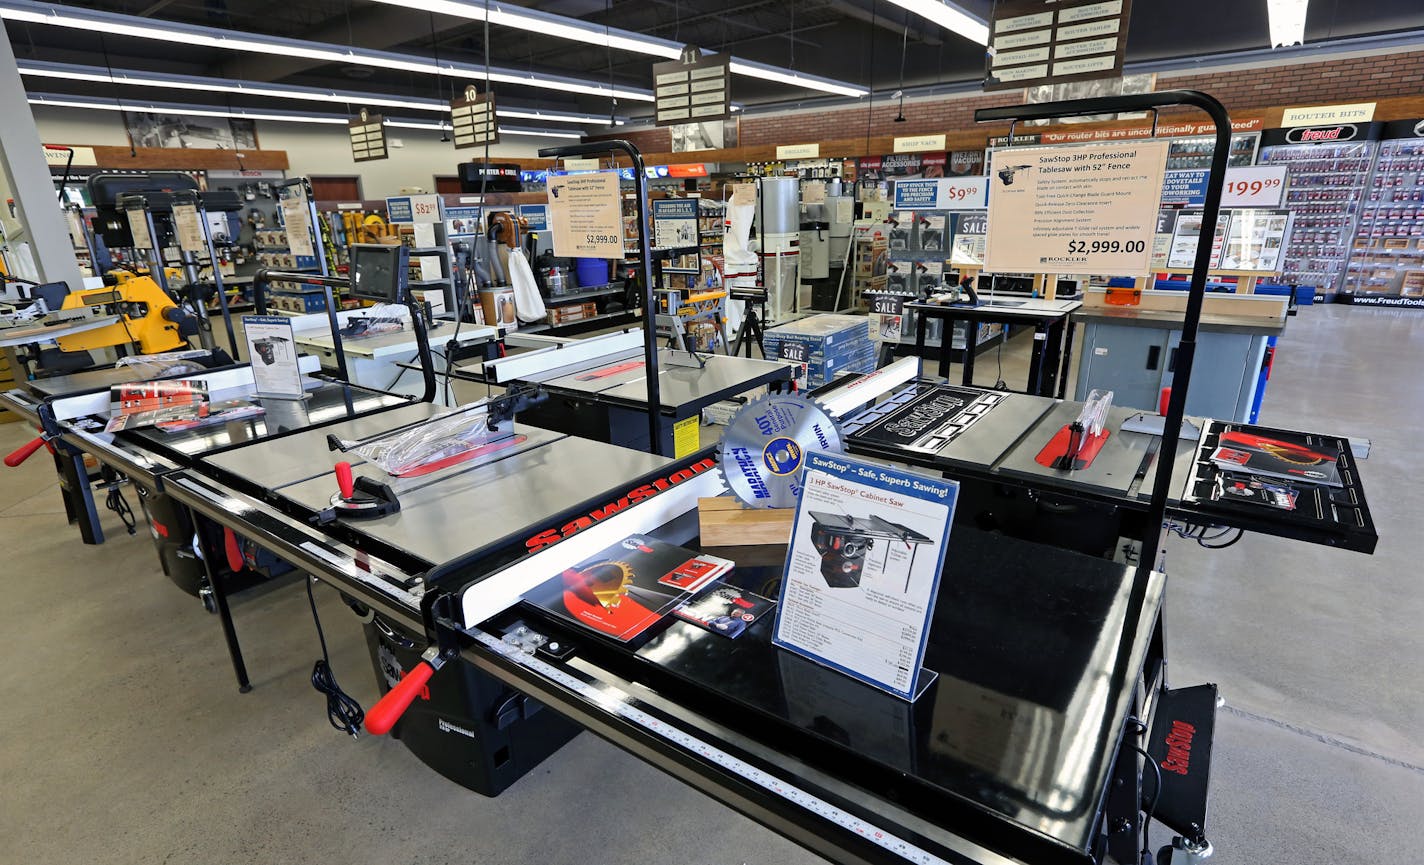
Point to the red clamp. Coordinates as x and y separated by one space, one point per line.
388 710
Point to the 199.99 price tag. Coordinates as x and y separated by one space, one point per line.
1256 186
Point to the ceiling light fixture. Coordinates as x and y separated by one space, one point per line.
69 72
57 101
950 16
1287 21
562 27
56 15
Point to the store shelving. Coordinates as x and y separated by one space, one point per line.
1387 257
1327 185
1194 153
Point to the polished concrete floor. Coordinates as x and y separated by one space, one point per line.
126 740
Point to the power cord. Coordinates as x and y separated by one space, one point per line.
116 502
1147 857
344 713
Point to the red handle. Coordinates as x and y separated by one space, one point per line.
345 480
233 551
388 710
22 453
1164 400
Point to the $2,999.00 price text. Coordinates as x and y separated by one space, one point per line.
1080 247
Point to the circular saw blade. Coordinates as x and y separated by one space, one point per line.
765 446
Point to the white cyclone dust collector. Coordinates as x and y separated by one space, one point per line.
778 218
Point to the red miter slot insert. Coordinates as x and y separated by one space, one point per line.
1057 448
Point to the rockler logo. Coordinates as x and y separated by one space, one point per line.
549 537
1331 133
447 727
1179 748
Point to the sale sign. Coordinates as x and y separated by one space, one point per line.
945 193
1256 186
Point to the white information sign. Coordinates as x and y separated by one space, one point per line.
273 349
297 221
189 229
138 227
862 572
1075 209
586 215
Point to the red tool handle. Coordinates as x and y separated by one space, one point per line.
22 453
345 480
1164 400
232 550
388 710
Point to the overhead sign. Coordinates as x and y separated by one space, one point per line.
691 90
798 151
586 215
1074 210
1336 134
574 163
1248 186
472 120
1035 42
691 169
368 137
56 158
918 143
408 209
1325 115
944 193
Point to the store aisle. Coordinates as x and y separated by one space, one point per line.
128 742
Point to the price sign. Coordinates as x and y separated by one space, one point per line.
1084 209
189 229
887 304
946 193
585 213
1257 186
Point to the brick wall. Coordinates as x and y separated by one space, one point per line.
1345 80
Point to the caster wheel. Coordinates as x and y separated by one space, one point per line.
206 596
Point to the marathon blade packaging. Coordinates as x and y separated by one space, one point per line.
725 610
628 587
1273 456
764 448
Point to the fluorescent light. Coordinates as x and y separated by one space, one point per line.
160 108
251 88
562 27
951 17
542 133
188 34
1287 20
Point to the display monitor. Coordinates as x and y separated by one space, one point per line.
379 272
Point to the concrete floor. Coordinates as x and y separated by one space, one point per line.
127 741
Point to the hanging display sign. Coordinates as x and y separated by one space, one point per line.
472 120
967 246
863 570
138 228
273 348
410 209
675 222
966 162
901 165
945 193
57 158
1086 136
798 151
693 88
189 229
1074 210
1036 42
691 169
586 216
917 143
1325 115
368 137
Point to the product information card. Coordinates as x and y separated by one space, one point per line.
273 350
862 572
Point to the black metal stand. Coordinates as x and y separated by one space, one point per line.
645 255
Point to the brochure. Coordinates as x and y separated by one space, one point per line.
863 568
628 587
725 610
141 404
1271 456
218 413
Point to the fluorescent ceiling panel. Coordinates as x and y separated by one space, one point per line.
561 27
57 15
950 16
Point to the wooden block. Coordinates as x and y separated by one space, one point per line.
726 522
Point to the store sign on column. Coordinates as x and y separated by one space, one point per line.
1086 209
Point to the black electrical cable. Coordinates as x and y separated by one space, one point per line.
1151 809
344 713
116 502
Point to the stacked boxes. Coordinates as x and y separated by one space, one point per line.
834 344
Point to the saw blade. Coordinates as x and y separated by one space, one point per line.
764 448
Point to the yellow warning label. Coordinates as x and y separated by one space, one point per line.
685 436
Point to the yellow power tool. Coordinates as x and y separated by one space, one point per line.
147 316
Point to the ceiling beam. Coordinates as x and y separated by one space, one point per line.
155 8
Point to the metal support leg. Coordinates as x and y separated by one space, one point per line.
1035 361
971 344
215 583
79 495
1067 361
920 341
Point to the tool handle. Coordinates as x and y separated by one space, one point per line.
388 710
1163 400
345 480
22 453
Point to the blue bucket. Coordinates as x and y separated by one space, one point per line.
591 272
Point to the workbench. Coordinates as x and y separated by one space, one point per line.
1052 336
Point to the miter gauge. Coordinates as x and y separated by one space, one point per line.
764 448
